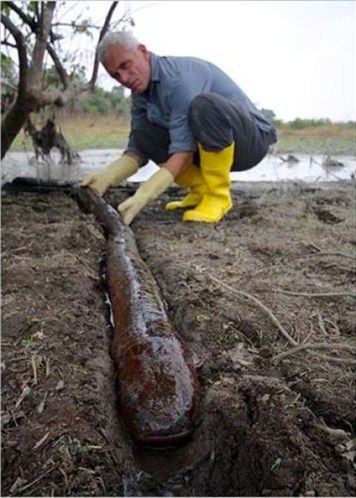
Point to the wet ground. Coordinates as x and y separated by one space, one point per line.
267 297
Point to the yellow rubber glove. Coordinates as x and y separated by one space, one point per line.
112 175
150 190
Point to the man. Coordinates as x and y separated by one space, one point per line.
191 119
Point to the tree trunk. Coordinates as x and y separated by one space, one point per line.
12 124
27 98
31 95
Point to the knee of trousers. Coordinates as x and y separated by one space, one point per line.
210 121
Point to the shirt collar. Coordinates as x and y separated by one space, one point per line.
154 67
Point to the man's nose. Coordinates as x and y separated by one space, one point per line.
122 77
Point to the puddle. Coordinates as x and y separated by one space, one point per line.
282 167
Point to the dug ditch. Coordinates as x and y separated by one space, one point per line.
283 259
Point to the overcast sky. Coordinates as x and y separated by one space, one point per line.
294 57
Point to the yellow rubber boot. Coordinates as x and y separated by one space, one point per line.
192 178
216 201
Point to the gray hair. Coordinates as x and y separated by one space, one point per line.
124 38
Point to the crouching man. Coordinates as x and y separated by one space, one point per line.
191 119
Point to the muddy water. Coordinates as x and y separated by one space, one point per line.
283 167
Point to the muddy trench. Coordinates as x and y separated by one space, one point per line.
265 428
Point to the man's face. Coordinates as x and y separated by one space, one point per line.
129 67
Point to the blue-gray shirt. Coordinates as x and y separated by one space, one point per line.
175 81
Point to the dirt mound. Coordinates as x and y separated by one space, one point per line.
266 297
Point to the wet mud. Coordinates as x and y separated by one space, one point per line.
266 298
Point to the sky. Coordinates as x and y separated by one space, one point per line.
296 58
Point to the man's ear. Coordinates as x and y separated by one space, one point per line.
142 48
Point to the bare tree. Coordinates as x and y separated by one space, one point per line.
33 40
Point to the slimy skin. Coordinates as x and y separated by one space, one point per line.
155 370
157 380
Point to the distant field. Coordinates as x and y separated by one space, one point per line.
111 132
329 139
87 132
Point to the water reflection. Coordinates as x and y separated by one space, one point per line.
281 167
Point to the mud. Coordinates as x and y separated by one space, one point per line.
274 420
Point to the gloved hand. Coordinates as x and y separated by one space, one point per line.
112 175
150 190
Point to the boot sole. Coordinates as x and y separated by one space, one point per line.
195 215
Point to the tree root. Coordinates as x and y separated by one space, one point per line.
321 294
297 347
319 345
262 306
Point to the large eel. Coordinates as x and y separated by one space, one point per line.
158 387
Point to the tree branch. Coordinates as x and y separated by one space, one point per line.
8 44
22 15
31 95
51 51
31 23
101 35
39 50
21 50
58 65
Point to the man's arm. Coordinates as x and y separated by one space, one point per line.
115 173
178 163
156 185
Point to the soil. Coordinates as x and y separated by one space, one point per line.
274 419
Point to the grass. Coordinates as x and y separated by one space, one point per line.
86 132
334 138
111 132
95 132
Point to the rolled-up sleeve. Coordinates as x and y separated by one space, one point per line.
138 120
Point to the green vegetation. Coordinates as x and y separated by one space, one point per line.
101 120
101 102
318 136
85 131
101 129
